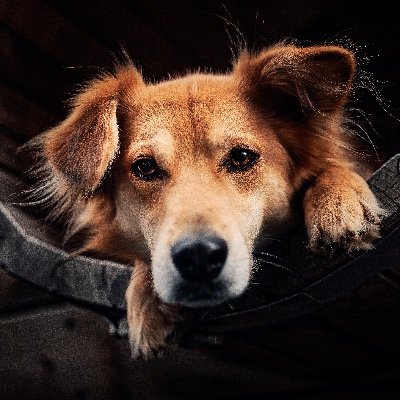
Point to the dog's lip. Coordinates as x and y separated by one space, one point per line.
201 295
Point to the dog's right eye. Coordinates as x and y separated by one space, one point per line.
146 169
240 159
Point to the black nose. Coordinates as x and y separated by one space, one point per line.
200 258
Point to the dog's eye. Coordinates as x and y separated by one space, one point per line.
240 159
146 169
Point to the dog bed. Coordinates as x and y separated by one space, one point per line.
291 281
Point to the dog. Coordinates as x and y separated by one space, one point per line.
182 177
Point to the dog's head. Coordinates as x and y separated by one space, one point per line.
191 170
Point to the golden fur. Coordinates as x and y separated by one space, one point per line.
285 104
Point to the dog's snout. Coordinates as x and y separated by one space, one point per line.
200 258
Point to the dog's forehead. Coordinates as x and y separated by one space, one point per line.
195 106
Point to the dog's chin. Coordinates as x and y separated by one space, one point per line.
201 295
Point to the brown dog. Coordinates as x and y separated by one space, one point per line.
181 177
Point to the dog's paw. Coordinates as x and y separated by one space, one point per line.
151 328
347 215
151 323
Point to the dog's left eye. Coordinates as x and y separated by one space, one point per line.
146 169
240 159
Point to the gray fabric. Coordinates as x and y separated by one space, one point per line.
81 278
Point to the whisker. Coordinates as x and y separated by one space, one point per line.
264 253
280 266
254 283
270 238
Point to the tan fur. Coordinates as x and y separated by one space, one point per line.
285 104
150 320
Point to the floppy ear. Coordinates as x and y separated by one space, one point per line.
306 80
82 147
73 157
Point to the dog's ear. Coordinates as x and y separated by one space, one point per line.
80 149
306 80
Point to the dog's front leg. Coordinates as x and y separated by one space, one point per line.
150 321
340 209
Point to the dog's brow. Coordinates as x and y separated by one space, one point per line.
160 140
221 139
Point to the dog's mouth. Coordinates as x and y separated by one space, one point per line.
200 295
202 270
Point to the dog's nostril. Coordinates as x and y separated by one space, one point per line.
200 258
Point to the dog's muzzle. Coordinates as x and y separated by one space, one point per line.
199 260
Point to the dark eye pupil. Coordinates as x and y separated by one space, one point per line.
240 156
240 159
146 168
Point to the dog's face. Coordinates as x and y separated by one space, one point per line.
199 165
199 173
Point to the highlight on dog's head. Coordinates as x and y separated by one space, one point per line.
186 174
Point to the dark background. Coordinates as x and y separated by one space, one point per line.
50 349
48 47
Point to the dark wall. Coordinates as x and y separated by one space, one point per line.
49 46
